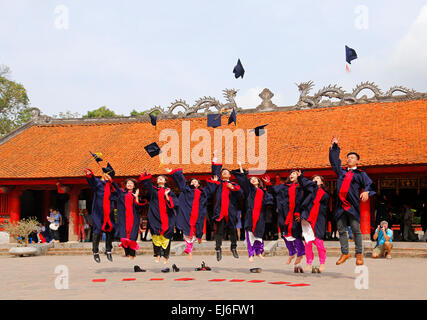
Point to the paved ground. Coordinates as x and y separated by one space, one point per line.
35 277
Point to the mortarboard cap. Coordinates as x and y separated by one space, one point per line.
96 156
350 54
109 170
259 130
233 117
238 70
153 149
214 120
153 119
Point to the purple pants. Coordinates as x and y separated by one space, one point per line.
257 248
296 246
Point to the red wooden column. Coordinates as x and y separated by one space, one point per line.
15 205
74 214
365 219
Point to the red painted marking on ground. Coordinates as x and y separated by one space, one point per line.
128 279
256 281
99 280
156 279
298 285
237 280
217 280
279 282
184 279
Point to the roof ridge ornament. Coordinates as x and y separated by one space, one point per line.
307 101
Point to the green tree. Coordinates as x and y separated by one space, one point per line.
102 112
135 113
14 103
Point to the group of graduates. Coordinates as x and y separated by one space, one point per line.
302 206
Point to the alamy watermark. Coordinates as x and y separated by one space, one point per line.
196 147
61 280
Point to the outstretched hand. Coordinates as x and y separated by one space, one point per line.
168 170
334 140
215 178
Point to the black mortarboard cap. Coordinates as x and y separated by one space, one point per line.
214 120
350 54
238 70
259 130
153 119
109 170
233 117
96 156
153 149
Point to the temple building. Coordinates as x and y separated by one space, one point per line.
42 162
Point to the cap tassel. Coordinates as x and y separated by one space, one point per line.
347 68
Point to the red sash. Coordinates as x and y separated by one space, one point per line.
224 201
314 212
194 211
106 205
163 213
129 213
345 186
290 218
257 207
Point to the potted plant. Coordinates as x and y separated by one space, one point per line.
20 231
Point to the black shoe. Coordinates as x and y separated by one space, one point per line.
175 268
218 255
96 257
166 270
234 251
109 256
138 269
255 270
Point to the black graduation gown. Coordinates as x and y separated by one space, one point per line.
315 213
192 206
348 198
161 216
288 226
257 200
226 201
102 205
128 214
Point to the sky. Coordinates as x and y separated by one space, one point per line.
80 55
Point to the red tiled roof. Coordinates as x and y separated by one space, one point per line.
393 133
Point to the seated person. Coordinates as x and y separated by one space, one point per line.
384 236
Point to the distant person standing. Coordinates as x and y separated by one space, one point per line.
55 220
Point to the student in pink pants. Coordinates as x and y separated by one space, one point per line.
313 214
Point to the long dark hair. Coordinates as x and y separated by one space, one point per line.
288 178
323 181
134 184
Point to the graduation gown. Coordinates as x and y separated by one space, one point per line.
192 206
349 185
289 199
315 206
257 200
226 200
128 212
161 217
102 204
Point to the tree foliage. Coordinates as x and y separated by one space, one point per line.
102 112
14 103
